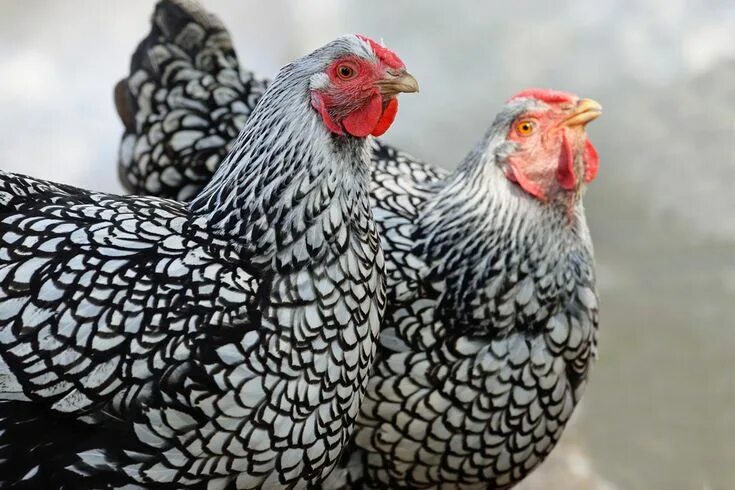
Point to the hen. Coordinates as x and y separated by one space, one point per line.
147 343
491 322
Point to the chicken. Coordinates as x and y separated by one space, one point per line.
225 343
483 357
491 322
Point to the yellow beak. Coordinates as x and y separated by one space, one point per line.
396 82
587 110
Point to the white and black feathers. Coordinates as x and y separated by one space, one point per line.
489 334
490 328
186 72
223 344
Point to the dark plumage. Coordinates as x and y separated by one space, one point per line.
221 344
490 328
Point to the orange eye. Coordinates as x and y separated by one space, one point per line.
525 127
346 72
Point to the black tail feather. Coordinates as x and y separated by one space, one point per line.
183 103
180 23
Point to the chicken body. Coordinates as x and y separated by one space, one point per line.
147 343
490 327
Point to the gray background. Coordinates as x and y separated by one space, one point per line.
660 409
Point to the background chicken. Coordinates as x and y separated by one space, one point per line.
453 302
482 360
223 343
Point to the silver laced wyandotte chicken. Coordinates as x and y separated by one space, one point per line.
147 343
492 314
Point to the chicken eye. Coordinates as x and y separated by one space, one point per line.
346 72
525 127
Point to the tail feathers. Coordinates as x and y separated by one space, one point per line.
178 27
183 29
173 17
183 103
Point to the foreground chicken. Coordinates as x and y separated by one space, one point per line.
221 344
492 313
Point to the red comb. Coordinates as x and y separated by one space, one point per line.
386 55
545 95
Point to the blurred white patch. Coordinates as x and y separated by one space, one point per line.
707 45
728 281
28 77
64 156
314 26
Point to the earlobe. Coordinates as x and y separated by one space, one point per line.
527 183
317 102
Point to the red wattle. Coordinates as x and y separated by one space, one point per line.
565 168
591 162
362 121
317 102
389 115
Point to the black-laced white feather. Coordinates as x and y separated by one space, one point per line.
185 101
221 344
490 328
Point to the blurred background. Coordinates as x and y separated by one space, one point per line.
659 412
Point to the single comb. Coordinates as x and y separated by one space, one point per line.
545 95
386 55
